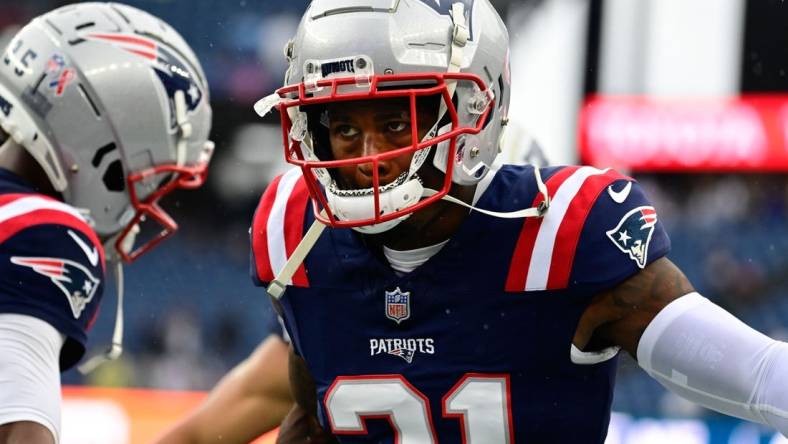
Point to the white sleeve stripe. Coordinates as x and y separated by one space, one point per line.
277 250
25 205
541 258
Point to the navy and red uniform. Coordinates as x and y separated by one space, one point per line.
51 264
474 345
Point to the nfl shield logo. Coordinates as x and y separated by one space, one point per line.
397 305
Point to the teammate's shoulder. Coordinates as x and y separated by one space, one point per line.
574 243
41 216
284 200
278 224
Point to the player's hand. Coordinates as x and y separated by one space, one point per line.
300 427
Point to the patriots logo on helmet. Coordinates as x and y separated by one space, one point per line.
443 7
169 67
74 280
633 233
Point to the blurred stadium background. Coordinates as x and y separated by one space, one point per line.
688 96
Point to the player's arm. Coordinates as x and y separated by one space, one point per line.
690 345
249 401
301 424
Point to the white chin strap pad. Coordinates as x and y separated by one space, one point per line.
704 354
362 206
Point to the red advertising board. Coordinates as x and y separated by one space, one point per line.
746 133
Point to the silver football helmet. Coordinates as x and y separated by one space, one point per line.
345 50
114 106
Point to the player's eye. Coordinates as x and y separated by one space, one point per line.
345 130
397 126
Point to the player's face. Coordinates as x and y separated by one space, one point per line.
370 127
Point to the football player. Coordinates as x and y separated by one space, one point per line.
451 302
104 110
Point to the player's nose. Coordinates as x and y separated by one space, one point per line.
372 145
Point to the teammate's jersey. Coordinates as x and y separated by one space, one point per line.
474 345
51 264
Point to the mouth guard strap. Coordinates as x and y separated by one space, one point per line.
277 287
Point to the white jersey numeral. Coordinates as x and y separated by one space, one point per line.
350 400
481 402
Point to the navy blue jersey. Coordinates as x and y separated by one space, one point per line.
474 345
51 264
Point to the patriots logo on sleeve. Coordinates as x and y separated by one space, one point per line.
633 233
74 280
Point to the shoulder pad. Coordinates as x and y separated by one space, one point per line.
278 227
545 251
623 234
19 212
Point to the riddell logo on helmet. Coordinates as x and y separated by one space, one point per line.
329 68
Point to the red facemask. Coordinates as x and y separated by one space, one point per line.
378 89
184 177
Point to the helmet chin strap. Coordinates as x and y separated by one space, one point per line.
537 211
184 127
116 347
277 286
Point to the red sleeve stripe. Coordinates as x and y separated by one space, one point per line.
518 269
259 239
21 211
294 226
541 259
545 250
278 227
568 235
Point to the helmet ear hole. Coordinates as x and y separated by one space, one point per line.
113 178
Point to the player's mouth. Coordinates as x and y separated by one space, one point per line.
342 191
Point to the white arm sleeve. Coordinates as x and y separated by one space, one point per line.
703 353
29 371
